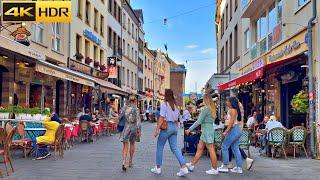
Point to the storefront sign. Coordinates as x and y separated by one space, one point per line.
92 37
112 61
21 36
286 51
77 66
113 72
290 48
259 63
21 49
56 73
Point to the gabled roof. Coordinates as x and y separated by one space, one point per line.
139 14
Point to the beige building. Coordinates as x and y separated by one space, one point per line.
148 73
35 75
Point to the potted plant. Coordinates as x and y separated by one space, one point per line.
88 60
103 67
4 113
96 64
300 103
78 56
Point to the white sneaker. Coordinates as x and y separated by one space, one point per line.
223 168
212 171
190 166
156 170
230 166
182 172
249 163
237 170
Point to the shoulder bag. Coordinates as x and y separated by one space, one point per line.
164 124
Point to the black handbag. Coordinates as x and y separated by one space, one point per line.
122 121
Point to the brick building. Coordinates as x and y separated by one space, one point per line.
177 81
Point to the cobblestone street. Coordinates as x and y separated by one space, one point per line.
102 160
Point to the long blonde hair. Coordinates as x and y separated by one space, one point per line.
169 98
208 101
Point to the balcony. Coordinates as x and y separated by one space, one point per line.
254 7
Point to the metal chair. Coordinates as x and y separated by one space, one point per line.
245 140
298 138
218 138
277 139
21 141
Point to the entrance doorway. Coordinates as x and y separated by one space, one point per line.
59 96
35 95
2 71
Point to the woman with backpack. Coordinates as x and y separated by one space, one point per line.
131 132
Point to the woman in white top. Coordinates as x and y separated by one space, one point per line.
169 113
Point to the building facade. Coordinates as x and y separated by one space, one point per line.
148 72
178 74
273 61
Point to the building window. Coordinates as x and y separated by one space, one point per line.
119 14
279 12
124 21
231 10
235 5
110 6
128 78
115 7
301 2
244 4
132 30
131 79
123 47
102 25
128 51
78 43
148 83
272 18
135 81
137 35
102 1
132 54
102 57
230 48
222 25
56 36
227 12
96 20
80 9
129 28
222 60
261 27
87 48
37 32
145 82
114 43
247 39
236 42
136 56
95 53
123 79
88 9
227 61
109 37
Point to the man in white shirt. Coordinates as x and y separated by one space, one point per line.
273 123
252 121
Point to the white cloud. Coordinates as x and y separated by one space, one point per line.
192 46
208 51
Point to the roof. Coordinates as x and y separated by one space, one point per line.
139 14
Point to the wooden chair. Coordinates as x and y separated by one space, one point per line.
21 141
298 138
5 152
245 140
57 145
84 130
277 139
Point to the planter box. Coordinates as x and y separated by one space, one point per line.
35 117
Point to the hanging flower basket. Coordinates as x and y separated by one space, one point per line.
88 60
103 67
300 103
96 64
78 56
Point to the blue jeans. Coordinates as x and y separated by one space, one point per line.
41 151
232 140
169 134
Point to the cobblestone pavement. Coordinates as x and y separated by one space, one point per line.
102 160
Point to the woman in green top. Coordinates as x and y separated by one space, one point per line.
206 120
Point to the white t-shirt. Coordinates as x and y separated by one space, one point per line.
250 122
167 112
273 124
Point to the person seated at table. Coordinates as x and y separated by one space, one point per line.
261 132
51 124
252 121
87 117
271 124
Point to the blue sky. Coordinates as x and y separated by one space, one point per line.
189 37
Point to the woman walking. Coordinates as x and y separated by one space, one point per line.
131 132
206 119
232 136
167 131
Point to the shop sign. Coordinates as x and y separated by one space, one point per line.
253 66
112 61
21 35
52 72
77 66
113 72
286 51
92 37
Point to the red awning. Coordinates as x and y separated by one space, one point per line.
256 74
